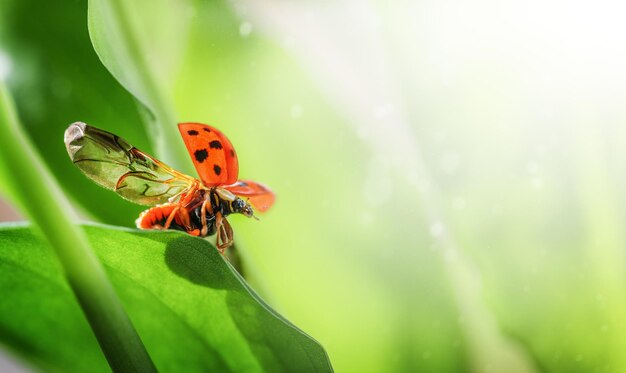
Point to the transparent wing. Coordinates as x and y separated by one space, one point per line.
114 164
260 196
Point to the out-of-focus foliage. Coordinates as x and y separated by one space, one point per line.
405 141
57 79
190 318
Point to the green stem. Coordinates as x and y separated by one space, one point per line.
41 199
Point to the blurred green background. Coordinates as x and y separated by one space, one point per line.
448 174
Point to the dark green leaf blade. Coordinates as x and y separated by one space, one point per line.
191 309
37 307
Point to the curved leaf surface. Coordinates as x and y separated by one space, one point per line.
143 57
192 310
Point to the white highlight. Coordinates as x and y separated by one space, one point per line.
450 162
437 229
458 203
532 167
536 183
245 29
296 111
5 65
378 188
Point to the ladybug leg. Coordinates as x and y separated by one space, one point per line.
187 195
203 212
224 233
183 218
195 232
228 230
168 222
218 225
180 215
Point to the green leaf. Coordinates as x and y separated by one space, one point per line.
192 310
143 57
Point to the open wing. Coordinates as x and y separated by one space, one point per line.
260 196
115 164
211 152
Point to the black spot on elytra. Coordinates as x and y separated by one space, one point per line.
217 169
232 153
192 133
201 155
215 144
206 129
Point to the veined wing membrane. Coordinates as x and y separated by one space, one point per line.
115 164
